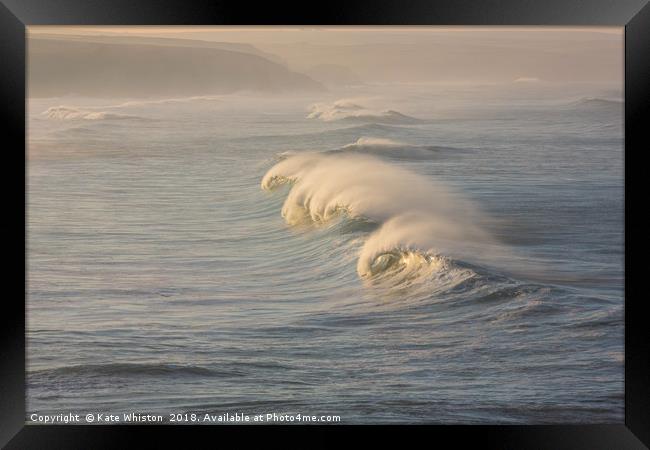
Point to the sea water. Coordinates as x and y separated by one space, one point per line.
386 253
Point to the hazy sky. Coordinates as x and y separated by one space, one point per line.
416 53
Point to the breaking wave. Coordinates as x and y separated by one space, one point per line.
346 110
70 113
422 225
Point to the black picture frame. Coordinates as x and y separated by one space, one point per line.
15 15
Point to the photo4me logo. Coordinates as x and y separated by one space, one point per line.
269 418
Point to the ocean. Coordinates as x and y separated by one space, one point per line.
386 253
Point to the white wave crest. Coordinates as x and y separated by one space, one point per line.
71 113
350 111
376 142
334 111
416 215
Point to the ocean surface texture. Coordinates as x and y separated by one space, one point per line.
388 253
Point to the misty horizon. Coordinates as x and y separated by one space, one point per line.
62 59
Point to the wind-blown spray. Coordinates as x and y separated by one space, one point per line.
421 221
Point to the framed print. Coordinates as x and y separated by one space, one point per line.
355 214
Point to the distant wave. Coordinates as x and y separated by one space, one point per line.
350 111
316 138
395 149
386 148
596 102
376 143
71 113
422 224
129 369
